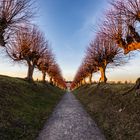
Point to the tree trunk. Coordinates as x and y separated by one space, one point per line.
78 84
90 78
2 42
81 83
84 81
56 84
51 81
136 87
103 76
43 76
30 72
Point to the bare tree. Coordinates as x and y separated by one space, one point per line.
48 65
89 67
103 52
119 29
85 70
56 76
130 13
80 76
129 9
28 45
13 14
45 62
127 13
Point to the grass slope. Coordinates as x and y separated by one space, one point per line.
117 116
24 107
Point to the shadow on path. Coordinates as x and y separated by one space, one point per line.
70 121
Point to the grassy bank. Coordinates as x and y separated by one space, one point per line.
24 107
117 115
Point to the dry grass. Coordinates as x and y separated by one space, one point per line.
117 115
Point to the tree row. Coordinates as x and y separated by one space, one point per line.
117 35
24 42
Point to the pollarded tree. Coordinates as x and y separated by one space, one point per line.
13 13
103 52
55 76
89 67
80 76
60 81
45 62
48 65
85 70
114 28
84 73
28 45
52 71
128 11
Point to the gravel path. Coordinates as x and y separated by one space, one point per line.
70 121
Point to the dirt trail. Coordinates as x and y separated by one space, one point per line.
70 121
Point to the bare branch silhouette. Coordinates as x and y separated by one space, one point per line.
13 14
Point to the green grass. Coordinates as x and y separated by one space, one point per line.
24 107
117 115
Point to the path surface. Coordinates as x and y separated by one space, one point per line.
70 121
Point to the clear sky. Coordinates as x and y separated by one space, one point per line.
69 26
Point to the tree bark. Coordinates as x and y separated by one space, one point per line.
2 42
79 84
90 78
51 80
56 84
43 76
84 81
30 72
103 75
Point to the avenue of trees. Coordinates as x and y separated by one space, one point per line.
118 34
24 42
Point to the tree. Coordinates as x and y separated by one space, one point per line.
45 62
127 12
56 76
119 29
89 67
103 52
113 28
28 45
13 13
84 71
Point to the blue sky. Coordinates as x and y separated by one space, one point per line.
69 25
